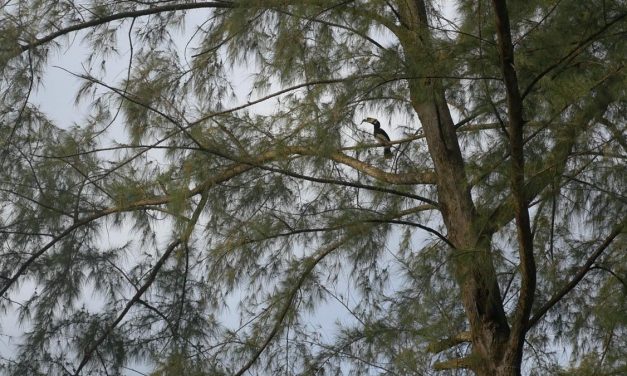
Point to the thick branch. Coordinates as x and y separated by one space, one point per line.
423 177
410 178
465 363
474 269
447 343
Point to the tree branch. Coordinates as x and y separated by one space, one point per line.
350 184
150 279
521 202
89 352
612 273
310 264
423 177
307 229
465 363
574 51
420 226
447 343
581 273
122 15
227 173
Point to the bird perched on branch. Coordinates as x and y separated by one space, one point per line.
381 136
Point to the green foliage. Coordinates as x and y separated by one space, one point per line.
218 207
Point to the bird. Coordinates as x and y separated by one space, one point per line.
381 136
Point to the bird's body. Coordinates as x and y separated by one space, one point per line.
381 136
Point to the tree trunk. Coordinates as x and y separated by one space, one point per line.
473 264
474 270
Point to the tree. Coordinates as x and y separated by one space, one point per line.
493 239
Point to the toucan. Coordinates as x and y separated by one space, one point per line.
381 136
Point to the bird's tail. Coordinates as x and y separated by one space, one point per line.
387 152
